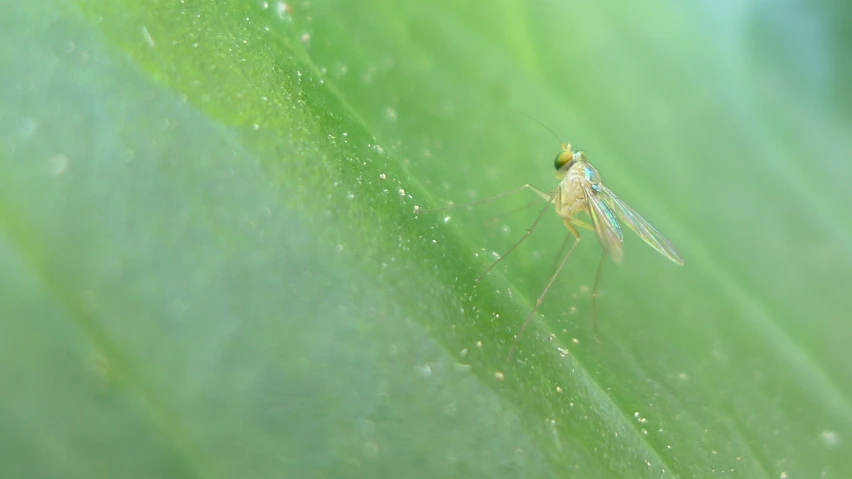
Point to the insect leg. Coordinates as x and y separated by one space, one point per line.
542 194
529 231
561 252
582 224
595 296
575 222
546 288
503 215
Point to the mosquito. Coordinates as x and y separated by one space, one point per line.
581 190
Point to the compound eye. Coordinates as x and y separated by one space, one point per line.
562 159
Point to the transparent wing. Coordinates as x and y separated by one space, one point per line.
641 227
604 222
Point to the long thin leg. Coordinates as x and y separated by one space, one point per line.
595 296
546 196
546 288
526 235
511 212
575 222
558 256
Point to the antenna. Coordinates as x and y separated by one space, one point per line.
540 123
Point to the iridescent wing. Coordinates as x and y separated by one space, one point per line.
604 222
640 226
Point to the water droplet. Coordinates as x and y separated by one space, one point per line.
27 128
830 438
390 114
57 164
283 10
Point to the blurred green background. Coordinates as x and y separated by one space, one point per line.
211 265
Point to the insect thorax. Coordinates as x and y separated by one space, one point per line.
571 196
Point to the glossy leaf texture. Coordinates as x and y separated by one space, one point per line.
212 265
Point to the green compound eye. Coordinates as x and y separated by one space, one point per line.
562 159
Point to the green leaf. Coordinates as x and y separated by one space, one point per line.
212 265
